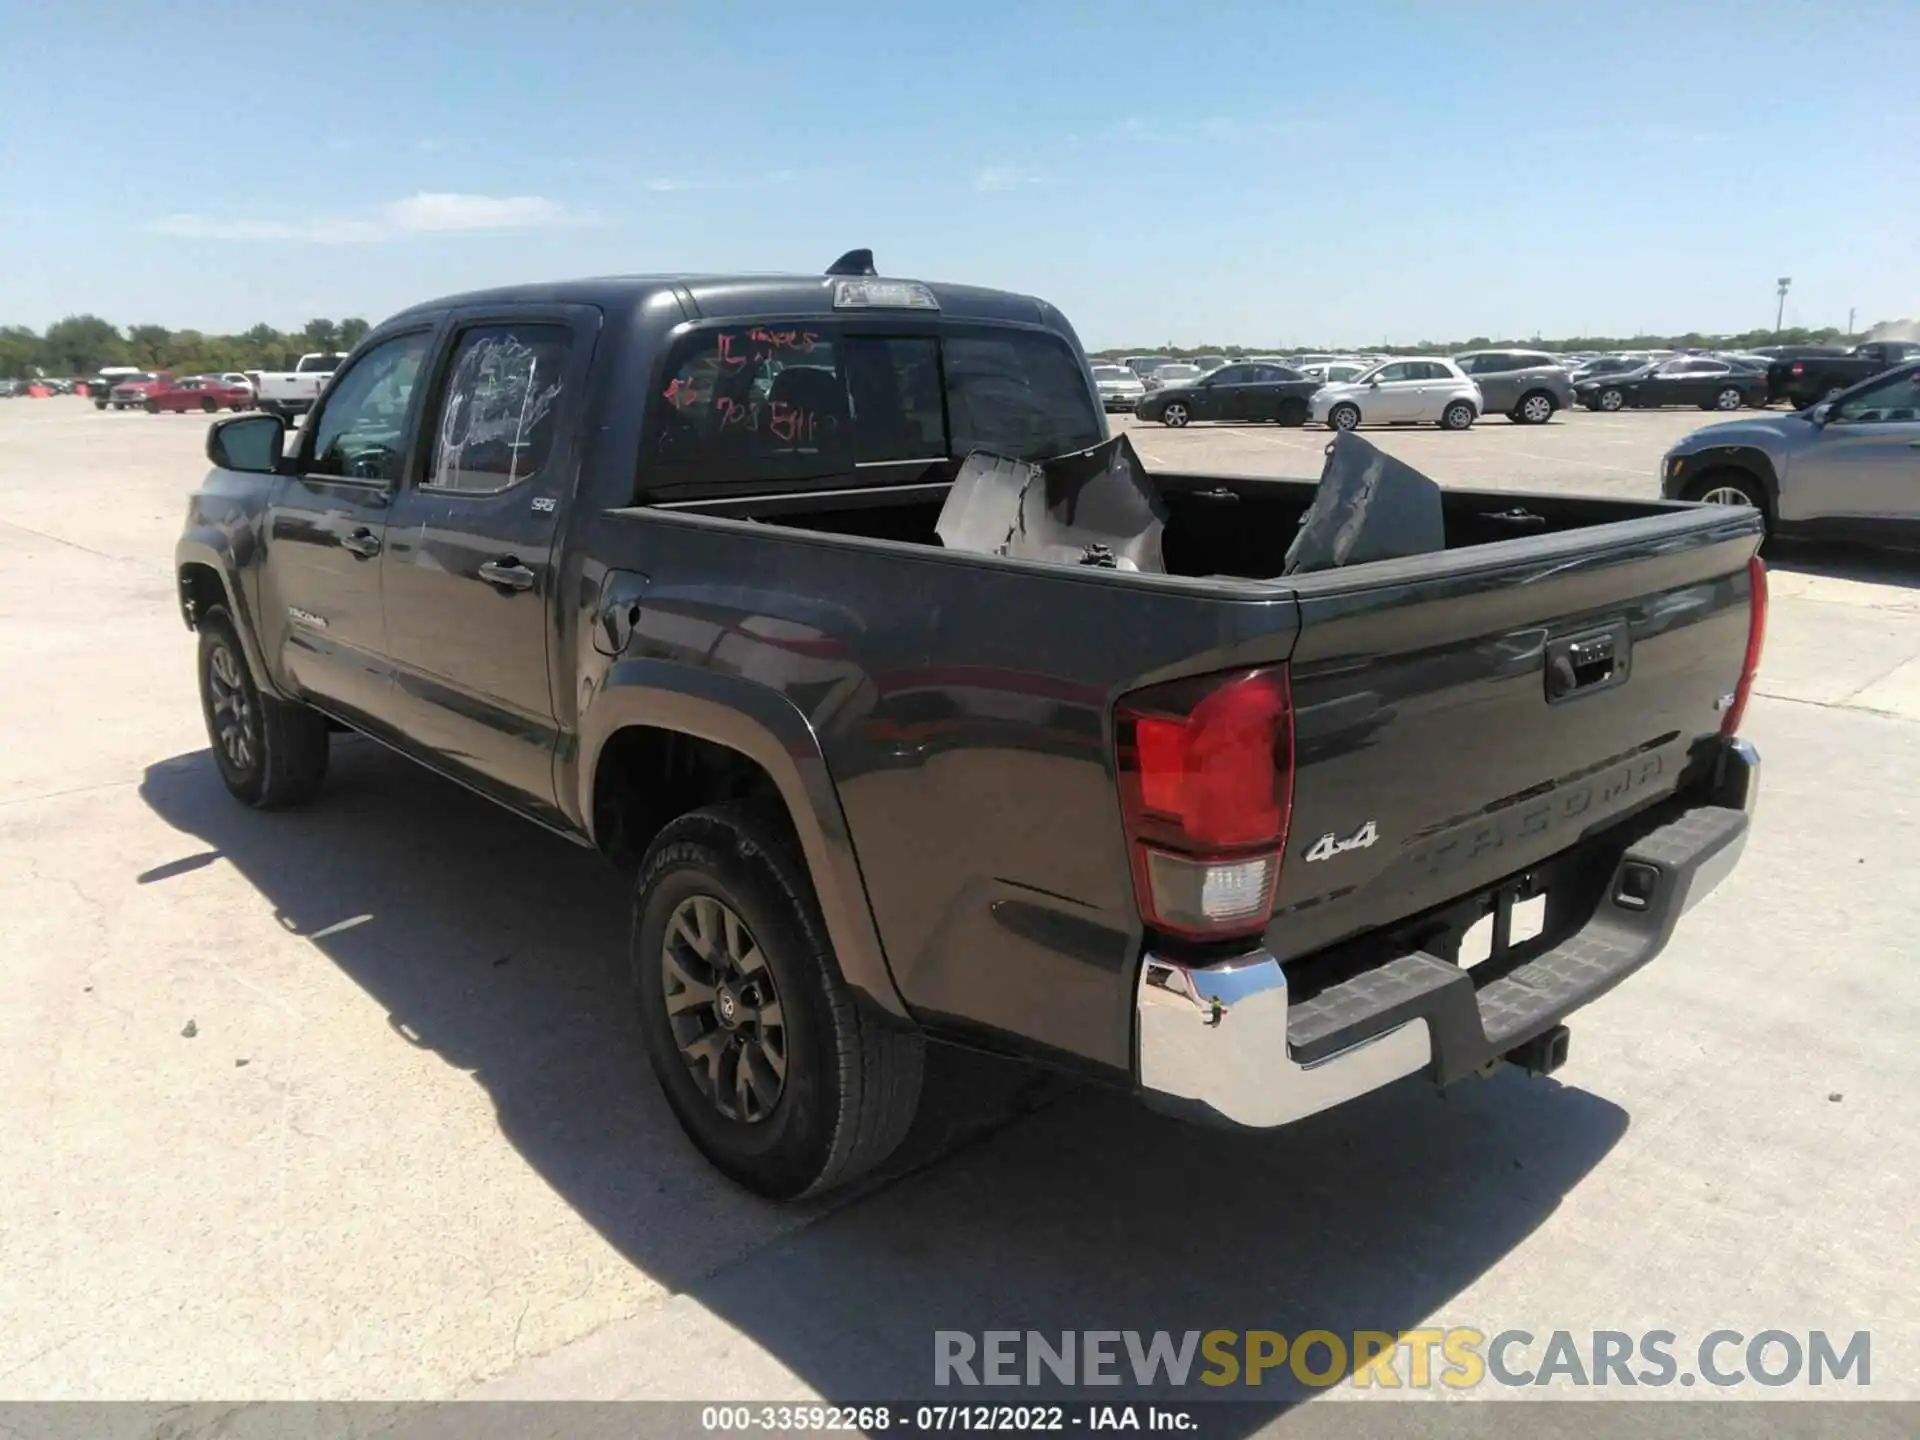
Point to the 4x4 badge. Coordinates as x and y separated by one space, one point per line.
1328 846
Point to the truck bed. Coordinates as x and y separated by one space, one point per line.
1235 526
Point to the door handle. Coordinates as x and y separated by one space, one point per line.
362 542
507 573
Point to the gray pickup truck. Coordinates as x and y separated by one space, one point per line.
826 606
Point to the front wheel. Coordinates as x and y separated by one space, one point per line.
1611 400
1344 417
271 754
1457 416
774 1070
1175 415
1728 487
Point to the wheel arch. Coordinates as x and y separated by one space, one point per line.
1747 460
205 577
660 740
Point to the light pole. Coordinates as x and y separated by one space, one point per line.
1783 282
1850 322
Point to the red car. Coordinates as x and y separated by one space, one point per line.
195 392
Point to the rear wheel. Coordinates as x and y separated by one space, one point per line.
1175 415
271 754
210 405
776 1073
1534 409
1457 416
1293 412
1344 416
153 407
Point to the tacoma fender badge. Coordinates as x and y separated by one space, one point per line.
1328 845
306 617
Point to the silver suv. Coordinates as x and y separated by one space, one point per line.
1526 386
1848 469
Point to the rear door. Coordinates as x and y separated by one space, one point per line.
1232 394
320 613
1494 374
1445 739
470 564
1437 384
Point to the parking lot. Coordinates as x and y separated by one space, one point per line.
345 1102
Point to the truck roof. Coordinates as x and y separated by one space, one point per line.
721 296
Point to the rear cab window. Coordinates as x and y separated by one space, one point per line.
817 404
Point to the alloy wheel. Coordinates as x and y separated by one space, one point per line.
724 1009
1537 409
234 721
1727 495
1728 399
1611 400
1175 415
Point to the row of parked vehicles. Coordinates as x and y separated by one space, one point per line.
1527 386
288 393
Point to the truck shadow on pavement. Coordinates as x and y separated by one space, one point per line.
1019 1202
1834 561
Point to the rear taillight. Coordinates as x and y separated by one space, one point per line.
1798 370
1756 641
1206 790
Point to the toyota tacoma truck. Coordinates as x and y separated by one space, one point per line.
916 709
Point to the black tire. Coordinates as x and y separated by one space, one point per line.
1457 416
1293 412
153 407
210 405
851 1080
1536 407
1724 481
284 757
99 404
1175 415
1344 416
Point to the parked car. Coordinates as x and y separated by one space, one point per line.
196 392
1684 380
1120 388
1145 365
1208 363
288 393
1527 386
1802 380
1421 390
1603 366
1176 372
131 392
1216 844
1848 468
100 387
1335 371
1243 391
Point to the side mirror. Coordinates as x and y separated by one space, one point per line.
1373 384
252 444
1819 415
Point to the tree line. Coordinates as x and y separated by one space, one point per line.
80 345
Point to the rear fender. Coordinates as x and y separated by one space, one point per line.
766 727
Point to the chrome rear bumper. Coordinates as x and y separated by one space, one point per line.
1213 1040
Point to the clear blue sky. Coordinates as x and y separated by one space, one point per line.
1203 171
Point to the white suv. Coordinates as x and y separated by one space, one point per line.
1424 389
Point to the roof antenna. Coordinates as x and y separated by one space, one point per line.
854 262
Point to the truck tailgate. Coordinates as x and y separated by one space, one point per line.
1458 722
